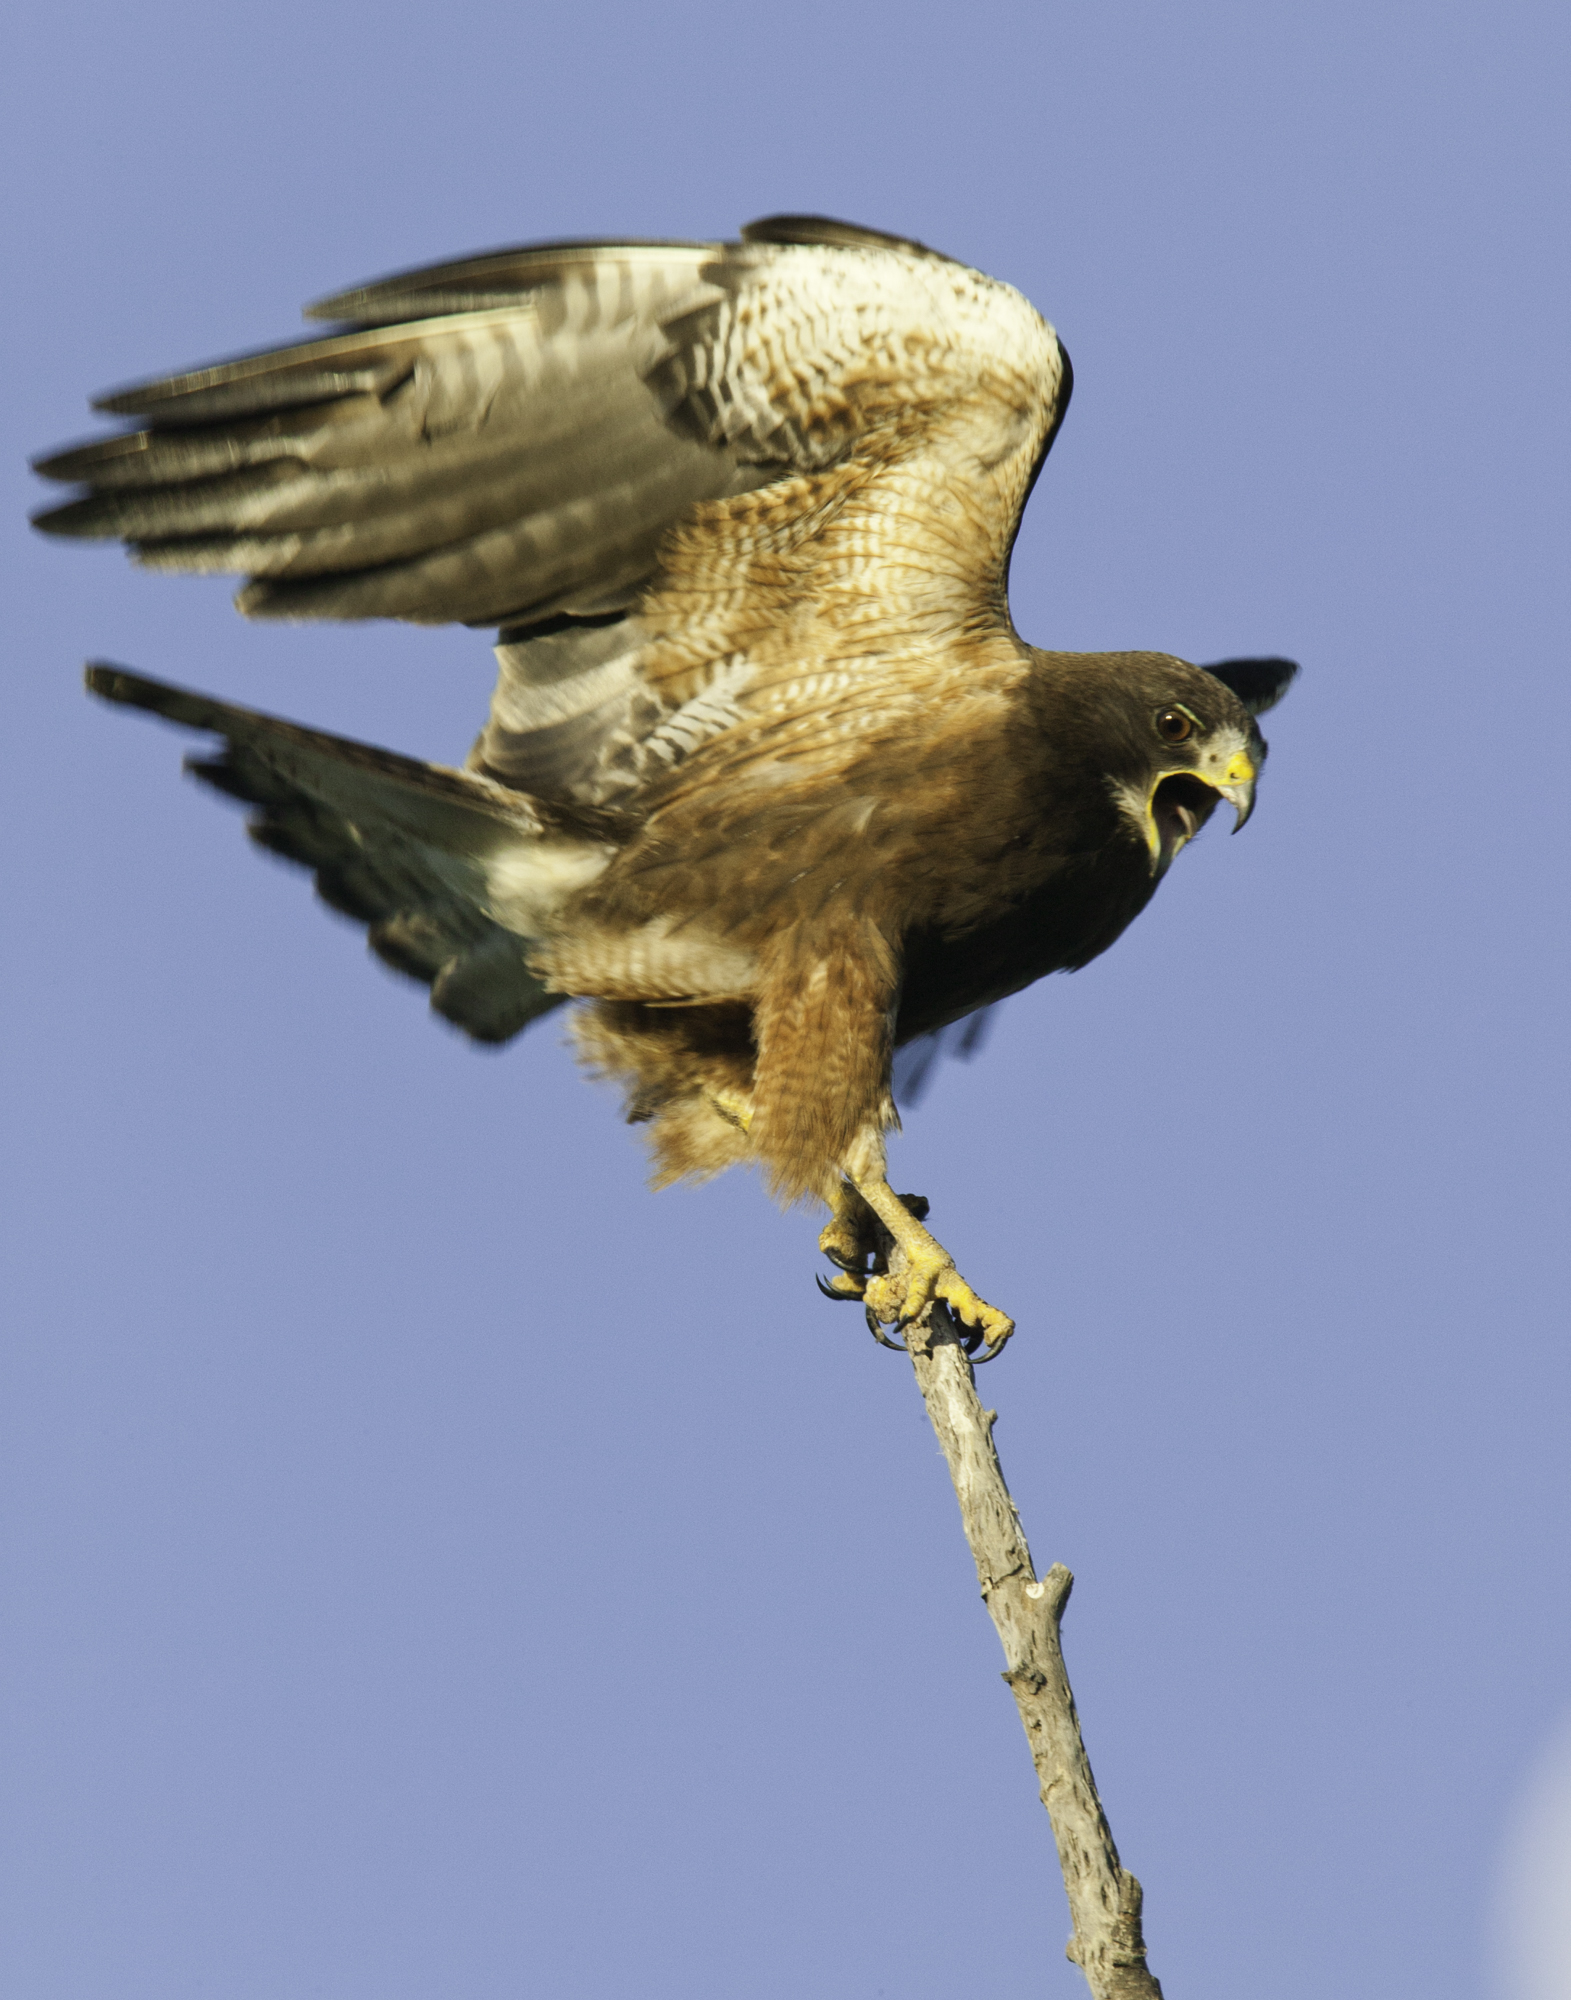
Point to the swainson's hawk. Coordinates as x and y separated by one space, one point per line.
769 779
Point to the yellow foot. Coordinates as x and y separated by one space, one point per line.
930 1276
852 1239
860 1237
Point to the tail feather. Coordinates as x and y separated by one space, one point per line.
455 876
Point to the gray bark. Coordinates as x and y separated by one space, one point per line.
1104 1898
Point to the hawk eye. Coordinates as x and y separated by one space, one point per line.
1175 725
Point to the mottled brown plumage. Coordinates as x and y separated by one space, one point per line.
769 779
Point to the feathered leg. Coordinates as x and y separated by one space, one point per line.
820 1107
822 1016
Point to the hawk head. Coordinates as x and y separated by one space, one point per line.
1190 740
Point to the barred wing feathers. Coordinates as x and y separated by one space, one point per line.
482 467
905 404
817 425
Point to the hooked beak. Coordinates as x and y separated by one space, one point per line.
1237 786
1182 801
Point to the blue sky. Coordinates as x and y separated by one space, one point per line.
436 1565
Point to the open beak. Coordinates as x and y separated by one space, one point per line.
1182 801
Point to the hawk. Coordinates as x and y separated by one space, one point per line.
769 781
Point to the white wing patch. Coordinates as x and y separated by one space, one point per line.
526 885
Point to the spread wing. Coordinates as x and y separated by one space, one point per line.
453 874
494 453
629 456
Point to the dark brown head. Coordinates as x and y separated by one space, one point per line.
1171 741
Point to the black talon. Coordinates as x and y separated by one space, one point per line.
840 1298
878 1333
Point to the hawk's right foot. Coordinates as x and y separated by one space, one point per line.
929 1274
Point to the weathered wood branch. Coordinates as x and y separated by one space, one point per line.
1104 1898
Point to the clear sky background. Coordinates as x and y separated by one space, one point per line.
438 1567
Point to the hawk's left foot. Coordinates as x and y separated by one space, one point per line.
858 1243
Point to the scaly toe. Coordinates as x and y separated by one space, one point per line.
995 1326
898 1301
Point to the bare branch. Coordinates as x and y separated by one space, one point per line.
1104 1898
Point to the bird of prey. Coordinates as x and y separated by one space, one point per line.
769 780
